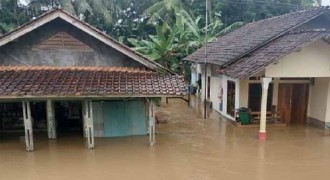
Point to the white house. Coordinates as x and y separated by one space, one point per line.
278 64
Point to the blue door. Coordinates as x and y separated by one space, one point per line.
138 118
124 118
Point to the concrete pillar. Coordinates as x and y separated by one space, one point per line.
28 126
152 119
263 111
51 122
88 123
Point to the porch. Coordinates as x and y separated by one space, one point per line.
80 118
292 74
110 101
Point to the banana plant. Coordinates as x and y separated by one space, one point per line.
193 35
161 47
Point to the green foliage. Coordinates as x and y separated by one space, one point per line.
253 10
163 30
177 38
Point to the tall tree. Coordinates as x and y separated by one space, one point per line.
253 10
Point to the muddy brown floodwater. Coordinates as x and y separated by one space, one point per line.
188 147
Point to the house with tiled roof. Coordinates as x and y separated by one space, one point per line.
59 76
278 68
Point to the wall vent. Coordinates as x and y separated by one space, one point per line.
62 41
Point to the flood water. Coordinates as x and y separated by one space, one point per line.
188 147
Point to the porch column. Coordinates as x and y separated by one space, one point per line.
263 111
88 123
152 138
51 123
28 125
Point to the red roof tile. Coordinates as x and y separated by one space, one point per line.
43 81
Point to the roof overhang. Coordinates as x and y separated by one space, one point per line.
82 97
258 60
43 82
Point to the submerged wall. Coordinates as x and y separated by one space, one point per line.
119 118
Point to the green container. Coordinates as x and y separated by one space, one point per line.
244 117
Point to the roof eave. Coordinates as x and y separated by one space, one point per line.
79 97
269 40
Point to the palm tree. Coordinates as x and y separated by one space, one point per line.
165 8
100 8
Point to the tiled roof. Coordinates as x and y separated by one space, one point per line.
270 53
236 44
57 82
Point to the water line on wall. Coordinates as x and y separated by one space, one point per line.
15 58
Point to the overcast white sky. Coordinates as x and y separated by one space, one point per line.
325 2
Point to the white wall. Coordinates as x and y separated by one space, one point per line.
215 91
327 115
244 93
311 61
194 75
217 82
224 83
319 99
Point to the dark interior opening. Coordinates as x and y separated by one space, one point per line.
231 86
255 93
68 117
208 87
11 116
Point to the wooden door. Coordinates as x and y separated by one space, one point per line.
299 103
284 101
292 103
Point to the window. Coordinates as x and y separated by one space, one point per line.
255 92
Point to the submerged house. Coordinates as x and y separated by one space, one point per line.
279 65
61 74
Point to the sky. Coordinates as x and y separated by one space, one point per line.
325 2
24 2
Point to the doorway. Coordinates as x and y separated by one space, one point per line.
255 94
292 103
231 98
68 115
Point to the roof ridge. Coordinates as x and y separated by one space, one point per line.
75 68
308 31
292 12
